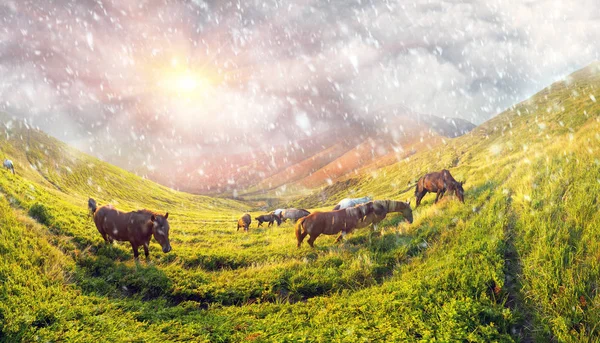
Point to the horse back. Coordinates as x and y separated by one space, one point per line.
124 226
434 182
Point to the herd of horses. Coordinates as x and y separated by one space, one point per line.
356 213
138 227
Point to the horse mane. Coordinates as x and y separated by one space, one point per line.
390 205
353 211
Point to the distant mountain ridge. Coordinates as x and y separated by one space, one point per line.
316 160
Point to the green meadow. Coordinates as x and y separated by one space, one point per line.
518 261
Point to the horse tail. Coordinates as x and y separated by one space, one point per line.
92 205
299 228
418 187
337 207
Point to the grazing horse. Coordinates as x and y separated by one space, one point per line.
331 223
351 202
8 164
244 222
381 208
293 214
136 227
438 182
268 218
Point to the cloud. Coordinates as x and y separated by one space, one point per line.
86 66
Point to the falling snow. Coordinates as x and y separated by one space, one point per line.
197 91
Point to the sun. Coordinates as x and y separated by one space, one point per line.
177 77
184 82
187 83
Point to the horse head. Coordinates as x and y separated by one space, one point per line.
407 212
459 191
160 230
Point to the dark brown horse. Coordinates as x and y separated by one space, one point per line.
331 223
438 182
244 222
381 208
136 227
268 218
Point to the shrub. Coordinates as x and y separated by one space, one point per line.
40 213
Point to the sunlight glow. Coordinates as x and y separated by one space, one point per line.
187 83
184 82
175 77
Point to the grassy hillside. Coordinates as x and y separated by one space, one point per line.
539 164
519 261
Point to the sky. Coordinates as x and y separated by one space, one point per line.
129 81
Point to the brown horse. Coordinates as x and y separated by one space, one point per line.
268 218
331 223
293 214
244 222
136 227
438 182
380 210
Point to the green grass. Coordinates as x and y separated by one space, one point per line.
518 261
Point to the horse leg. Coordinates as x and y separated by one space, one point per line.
136 253
311 241
301 238
107 238
440 194
339 237
420 196
342 235
146 252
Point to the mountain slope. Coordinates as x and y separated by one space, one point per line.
301 161
63 170
402 134
520 253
